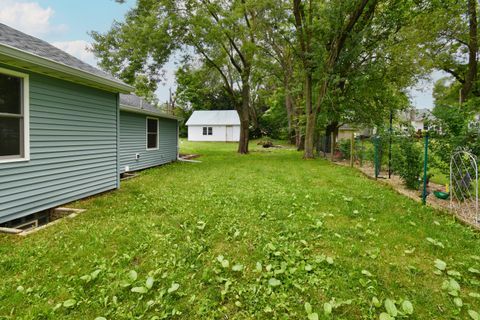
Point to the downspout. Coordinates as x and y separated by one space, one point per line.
118 140
178 140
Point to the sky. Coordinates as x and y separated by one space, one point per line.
66 23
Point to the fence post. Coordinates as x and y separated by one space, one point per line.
425 168
361 152
332 146
376 156
390 146
352 148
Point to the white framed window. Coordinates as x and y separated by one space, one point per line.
14 116
152 134
207 131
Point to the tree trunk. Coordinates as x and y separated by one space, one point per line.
332 58
290 111
472 51
299 142
310 136
244 114
244 134
311 114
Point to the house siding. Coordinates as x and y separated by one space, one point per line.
133 141
73 148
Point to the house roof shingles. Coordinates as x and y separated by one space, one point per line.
29 44
135 103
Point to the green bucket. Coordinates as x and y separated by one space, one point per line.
441 195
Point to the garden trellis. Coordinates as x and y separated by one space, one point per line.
464 186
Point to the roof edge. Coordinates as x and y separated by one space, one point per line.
212 124
159 114
63 68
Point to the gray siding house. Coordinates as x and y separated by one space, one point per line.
60 128
148 137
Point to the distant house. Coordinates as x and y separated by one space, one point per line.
419 119
148 137
65 131
345 132
214 125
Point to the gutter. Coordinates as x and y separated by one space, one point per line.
37 60
149 113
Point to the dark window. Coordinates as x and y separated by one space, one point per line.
10 137
210 131
204 131
152 133
10 94
11 117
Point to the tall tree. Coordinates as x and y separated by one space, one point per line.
137 49
449 42
331 44
281 61
222 33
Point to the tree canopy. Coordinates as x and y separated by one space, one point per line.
292 68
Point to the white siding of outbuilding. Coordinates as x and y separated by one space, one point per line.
219 133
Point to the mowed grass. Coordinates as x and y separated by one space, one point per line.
244 237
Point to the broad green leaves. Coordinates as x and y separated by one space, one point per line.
440 265
391 308
274 282
174 287
70 303
407 307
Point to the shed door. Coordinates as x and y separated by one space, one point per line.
229 133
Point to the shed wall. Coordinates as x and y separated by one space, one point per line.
219 133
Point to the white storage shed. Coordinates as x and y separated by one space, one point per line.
214 125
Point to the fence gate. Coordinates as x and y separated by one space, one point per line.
464 186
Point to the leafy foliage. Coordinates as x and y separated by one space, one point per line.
408 163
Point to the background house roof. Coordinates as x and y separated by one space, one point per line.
133 103
214 117
416 115
18 40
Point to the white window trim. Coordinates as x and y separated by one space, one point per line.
26 115
146 134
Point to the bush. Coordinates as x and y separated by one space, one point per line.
344 148
408 162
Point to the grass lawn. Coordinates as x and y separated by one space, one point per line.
263 236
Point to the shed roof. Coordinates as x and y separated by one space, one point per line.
214 117
133 103
33 51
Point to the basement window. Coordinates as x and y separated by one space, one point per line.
152 134
14 121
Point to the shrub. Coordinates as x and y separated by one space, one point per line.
408 162
344 148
